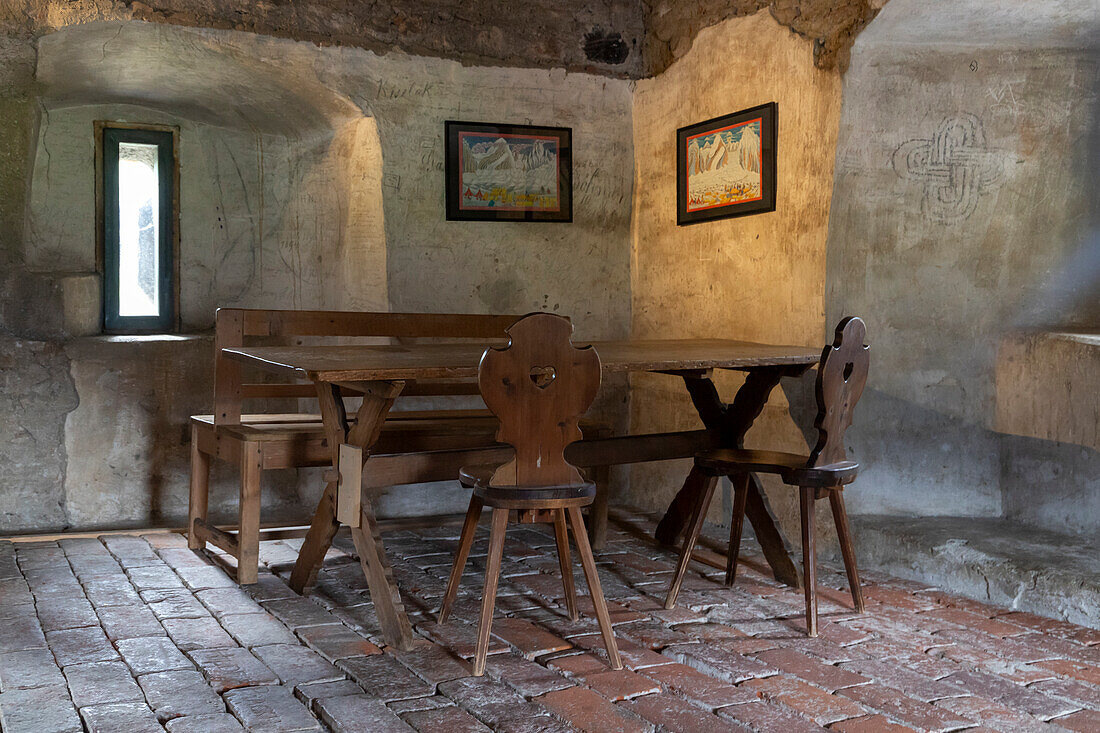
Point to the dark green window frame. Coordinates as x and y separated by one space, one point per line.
166 266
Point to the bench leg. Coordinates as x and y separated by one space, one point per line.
701 503
597 513
200 490
840 518
248 531
809 558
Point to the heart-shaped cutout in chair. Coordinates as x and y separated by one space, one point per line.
542 376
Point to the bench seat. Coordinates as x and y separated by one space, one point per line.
297 440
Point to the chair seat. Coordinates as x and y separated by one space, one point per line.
791 467
523 497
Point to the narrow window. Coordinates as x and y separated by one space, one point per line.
139 221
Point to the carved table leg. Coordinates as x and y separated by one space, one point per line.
378 397
734 420
324 526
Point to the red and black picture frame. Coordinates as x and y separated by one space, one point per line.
500 172
726 166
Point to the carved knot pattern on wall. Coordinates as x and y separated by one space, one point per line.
955 167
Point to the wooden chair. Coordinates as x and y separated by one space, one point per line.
841 377
260 442
538 387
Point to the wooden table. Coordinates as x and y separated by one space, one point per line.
380 373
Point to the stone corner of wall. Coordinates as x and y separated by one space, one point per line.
832 27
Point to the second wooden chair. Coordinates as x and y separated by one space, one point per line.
841 376
538 387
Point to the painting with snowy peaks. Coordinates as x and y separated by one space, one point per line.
508 172
724 166
727 166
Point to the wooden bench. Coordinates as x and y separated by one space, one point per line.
265 441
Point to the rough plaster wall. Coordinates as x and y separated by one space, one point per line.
128 440
36 392
264 219
579 269
581 36
280 190
757 277
304 211
17 120
941 274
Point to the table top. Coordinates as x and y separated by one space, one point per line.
456 360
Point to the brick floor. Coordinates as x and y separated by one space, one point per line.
135 633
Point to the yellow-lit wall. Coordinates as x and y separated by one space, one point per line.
759 277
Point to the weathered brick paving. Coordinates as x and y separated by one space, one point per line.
128 633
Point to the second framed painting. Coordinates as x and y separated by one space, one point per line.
508 172
726 166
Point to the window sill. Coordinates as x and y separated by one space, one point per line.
143 338
121 341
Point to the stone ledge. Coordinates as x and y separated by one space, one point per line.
1046 384
990 560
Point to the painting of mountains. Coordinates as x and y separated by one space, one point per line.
724 166
508 172
727 166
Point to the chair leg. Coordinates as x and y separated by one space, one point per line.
489 597
561 534
737 523
692 535
248 530
840 518
594 589
200 490
465 542
809 559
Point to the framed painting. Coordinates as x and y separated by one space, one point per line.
726 166
508 172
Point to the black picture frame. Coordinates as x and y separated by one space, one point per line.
712 199
550 202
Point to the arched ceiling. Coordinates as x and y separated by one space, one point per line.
211 77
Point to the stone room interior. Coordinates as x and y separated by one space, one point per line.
641 365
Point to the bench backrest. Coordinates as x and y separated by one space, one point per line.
236 326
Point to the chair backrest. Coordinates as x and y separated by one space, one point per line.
238 326
841 376
538 387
